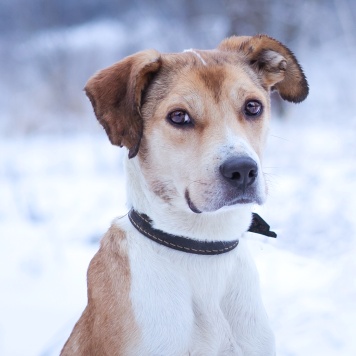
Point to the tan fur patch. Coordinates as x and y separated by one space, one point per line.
116 92
213 79
107 326
275 62
164 190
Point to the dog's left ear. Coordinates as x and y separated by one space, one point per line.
116 94
274 63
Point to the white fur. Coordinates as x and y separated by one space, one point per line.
197 54
188 304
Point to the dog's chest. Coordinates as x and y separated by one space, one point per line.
177 299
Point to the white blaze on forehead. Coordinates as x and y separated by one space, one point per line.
197 54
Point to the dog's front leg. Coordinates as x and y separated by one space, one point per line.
162 303
244 310
212 334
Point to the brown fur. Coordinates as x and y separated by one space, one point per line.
286 74
213 78
116 93
97 332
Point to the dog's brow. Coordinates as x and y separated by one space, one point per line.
196 53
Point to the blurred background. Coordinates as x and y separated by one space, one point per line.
61 182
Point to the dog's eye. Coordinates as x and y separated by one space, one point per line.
253 108
179 117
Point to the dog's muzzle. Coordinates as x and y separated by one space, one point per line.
237 183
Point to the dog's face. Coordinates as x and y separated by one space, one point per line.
198 138
198 120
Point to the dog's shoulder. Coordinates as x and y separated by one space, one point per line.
99 330
111 261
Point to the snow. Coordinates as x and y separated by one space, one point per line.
308 272
58 197
59 193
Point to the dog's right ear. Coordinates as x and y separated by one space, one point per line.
116 93
274 63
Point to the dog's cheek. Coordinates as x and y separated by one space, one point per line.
156 159
164 190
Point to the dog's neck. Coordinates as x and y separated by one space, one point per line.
226 224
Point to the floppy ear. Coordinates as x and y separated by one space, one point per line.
274 63
116 93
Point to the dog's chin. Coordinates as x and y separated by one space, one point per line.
243 201
227 204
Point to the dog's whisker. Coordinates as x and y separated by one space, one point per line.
280 138
271 174
198 182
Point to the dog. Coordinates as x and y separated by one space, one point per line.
174 277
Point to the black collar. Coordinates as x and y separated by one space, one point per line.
143 224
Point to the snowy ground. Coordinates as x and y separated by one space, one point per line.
58 196
56 201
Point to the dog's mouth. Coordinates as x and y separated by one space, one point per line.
191 205
240 200
243 200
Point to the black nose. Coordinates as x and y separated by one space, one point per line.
239 171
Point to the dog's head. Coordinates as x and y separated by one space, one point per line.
197 120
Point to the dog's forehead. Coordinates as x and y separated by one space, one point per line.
211 68
197 58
